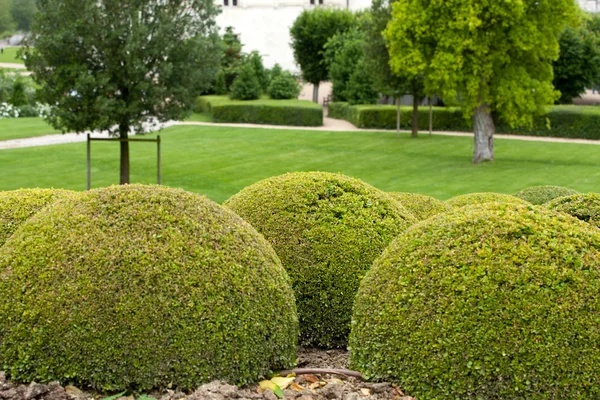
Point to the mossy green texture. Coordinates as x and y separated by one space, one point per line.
495 301
420 205
16 206
482 198
583 206
140 287
539 195
327 229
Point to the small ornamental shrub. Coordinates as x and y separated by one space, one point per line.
585 207
17 206
421 206
246 86
480 198
284 86
496 301
140 287
327 229
542 194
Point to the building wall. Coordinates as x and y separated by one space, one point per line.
264 25
590 5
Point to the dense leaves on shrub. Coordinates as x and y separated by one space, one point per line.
141 287
585 207
480 198
421 206
327 229
16 206
582 122
246 85
284 86
497 301
271 112
543 194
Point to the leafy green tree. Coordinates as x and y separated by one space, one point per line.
377 62
23 13
246 85
284 86
578 65
489 55
342 53
360 88
232 56
310 32
255 59
7 24
118 64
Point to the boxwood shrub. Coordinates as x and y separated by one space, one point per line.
263 111
542 194
496 301
16 206
140 287
421 206
585 207
581 122
327 229
481 198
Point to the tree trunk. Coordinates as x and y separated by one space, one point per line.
483 125
316 92
398 116
415 117
124 134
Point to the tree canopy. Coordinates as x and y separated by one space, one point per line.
23 13
117 65
485 54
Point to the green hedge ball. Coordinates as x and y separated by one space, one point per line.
496 301
140 287
542 194
585 207
482 198
420 205
327 229
17 206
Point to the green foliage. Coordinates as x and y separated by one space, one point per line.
360 89
23 13
231 59
482 198
16 206
481 52
578 65
269 112
310 32
137 287
7 24
419 205
542 194
220 84
327 229
255 59
342 52
585 207
246 85
122 63
18 95
496 301
284 86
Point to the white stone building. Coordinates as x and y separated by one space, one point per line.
590 5
264 25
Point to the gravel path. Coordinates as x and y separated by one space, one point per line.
12 65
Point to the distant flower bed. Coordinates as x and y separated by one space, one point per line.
7 110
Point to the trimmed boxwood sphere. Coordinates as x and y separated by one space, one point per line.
482 198
421 206
16 206
497 301
585 207
327 229
542 194
141 287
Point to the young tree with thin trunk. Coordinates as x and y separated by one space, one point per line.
117 65
488 55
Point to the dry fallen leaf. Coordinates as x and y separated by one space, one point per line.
311 378
296 387
335 380
365 391
282 382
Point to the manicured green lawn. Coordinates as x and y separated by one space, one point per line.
219 161
10 56
17 128
199 117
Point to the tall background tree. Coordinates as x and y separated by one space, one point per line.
488 55
119 64
23 13
310 32
7 24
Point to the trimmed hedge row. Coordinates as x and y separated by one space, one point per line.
585 207
542 194
482 198
264 111
493 301
142 287
581 122
420 205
